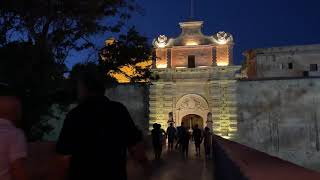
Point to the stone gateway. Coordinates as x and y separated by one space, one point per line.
196 80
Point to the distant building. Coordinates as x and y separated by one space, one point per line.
283 62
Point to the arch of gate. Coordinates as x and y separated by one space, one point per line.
191 104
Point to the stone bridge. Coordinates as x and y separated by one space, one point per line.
231 161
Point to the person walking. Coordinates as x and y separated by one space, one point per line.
156 141
13 145
179 136
197 137
87 147
171 133
184 140
207 142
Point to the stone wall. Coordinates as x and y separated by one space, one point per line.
135 98
282 118
276 61
203 56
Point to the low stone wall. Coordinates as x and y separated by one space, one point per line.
235 161
281 118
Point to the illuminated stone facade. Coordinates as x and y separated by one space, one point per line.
196 76
283 62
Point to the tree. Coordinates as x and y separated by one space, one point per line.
36 37
61 25
129 56
21 67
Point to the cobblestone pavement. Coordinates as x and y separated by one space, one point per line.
174 167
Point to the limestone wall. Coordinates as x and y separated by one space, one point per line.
282 118
276 61
203 56
135 98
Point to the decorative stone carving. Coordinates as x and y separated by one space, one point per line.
192 102
222 38
161 41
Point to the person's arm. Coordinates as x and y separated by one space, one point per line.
18 169
134 141
64 148
17 155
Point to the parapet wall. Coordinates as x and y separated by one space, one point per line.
281 118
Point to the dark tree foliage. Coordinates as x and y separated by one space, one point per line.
38 81
61 25
36 37
128 49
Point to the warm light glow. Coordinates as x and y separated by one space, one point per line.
202 66
110 41
226 137
129 71
161 66
222 63
222 55
181 67
161 61
191 43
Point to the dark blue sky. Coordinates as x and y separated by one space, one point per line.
253 23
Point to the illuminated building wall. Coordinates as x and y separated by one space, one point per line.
222 52
161 58
203 56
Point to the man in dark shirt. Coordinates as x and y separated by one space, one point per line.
96 135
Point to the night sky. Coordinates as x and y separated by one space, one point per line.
253 23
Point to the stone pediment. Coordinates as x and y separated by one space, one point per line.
191 35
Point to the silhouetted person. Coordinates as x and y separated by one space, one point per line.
184 140
13 146
157 140
90 145
197 137
179 135
171 133
207 139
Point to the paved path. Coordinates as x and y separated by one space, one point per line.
174 167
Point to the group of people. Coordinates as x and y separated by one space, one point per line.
87 147
182 136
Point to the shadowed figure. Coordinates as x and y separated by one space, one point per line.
207 142
89 147
197 136
158 137
171 132
184 140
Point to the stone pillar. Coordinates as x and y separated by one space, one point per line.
214 56
169 58
154 59
230 54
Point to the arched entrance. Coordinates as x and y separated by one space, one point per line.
192 106
191 120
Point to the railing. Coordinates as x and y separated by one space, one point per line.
234 161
